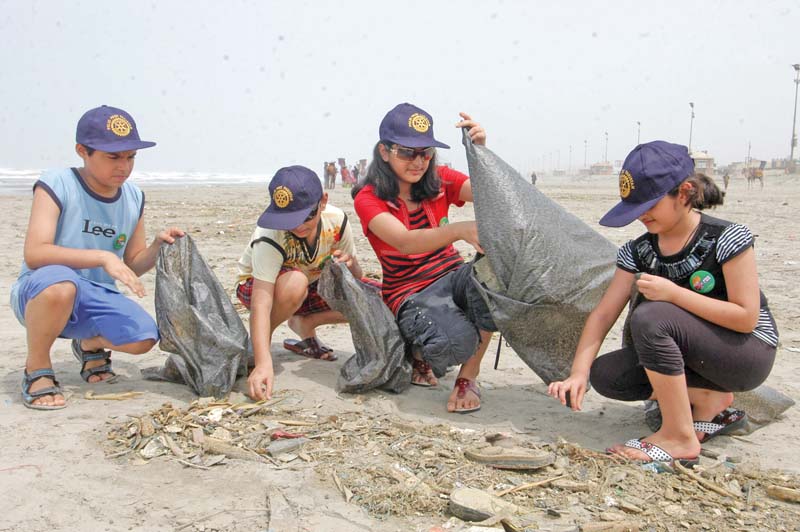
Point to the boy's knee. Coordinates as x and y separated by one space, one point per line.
58 294
141 347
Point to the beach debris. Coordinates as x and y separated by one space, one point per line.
514 457
784 494
391 466
471 504
123 396
198 324
519 227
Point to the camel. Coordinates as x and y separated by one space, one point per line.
752 175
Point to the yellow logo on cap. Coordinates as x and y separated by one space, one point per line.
118 125
282 196
419 122
625 184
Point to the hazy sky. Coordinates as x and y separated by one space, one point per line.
248 86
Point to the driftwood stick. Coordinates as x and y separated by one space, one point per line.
783 494
703 482
215 446
529 485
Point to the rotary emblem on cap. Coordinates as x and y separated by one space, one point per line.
625 184
118 125
282 196
419 122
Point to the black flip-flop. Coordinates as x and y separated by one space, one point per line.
726 422
309 348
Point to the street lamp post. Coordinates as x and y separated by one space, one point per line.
794 117
606 153
585 150
569 165
691 123
638 132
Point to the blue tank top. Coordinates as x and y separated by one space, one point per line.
90 221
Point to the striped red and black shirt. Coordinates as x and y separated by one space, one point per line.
403 274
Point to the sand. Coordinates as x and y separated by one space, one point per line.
54 473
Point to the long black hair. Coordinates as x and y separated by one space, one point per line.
381 176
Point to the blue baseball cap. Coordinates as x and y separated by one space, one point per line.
295 192
109 129
649 172
410 126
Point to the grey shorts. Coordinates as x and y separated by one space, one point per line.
442 321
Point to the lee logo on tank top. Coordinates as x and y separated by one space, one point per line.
702 281
98 230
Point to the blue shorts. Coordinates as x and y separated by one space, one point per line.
97 311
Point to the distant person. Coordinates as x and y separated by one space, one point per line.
403 205
86 231
533 178
347 177
702 328
355 173
725 180
281 265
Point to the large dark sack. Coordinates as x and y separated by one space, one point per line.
544 269
379 360
197 323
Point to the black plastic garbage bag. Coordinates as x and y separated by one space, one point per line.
544 269
197 322
380 358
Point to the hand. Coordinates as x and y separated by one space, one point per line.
168 236
656 288
475 131
468 232
341 256
118 270
260 381
574 385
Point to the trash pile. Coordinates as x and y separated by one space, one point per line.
425 472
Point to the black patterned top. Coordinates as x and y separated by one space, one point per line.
698 266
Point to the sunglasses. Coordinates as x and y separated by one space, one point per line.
410 154
312 214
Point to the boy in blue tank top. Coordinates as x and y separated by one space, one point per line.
86 231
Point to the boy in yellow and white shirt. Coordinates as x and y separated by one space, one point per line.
279 269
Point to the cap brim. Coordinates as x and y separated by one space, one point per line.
419 142
122 145
626 212
283 221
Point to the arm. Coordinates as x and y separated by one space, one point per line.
262 377
409 242
140 257
40 249
350 261
739 313
599 322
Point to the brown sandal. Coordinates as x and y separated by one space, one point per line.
310 348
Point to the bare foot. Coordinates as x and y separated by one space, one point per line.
679 448
465 396
46 400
